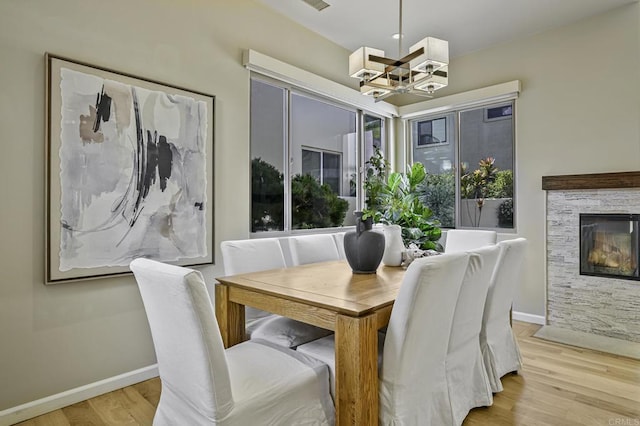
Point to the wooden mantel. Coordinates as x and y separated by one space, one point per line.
592 181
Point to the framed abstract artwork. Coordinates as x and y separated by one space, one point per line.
129 169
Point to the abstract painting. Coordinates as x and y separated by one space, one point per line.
130 172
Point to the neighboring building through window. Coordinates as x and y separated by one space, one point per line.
479 192
324 166
497 113
432 132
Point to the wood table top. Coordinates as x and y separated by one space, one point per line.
329 285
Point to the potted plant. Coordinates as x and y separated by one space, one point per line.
395 199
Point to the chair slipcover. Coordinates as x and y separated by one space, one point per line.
413 378
325 350
339 239
468 239
313 248
288 332
499 346
244 256
202 384
469 385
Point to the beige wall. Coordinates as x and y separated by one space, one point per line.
54 338
575 115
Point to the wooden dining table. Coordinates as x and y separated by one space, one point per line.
328 295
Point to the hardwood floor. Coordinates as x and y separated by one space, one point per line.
558 385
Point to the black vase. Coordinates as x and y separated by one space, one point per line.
363 247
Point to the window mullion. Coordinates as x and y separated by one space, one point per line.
360 166
288 161
457 171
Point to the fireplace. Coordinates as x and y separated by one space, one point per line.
609 245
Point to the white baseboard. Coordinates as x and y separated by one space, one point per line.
530 318
590 341
41 406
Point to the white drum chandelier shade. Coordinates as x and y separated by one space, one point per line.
423 71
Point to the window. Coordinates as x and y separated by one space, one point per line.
268 123
432 132
325 167
306 153
497 113
479 193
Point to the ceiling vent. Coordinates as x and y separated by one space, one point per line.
317 4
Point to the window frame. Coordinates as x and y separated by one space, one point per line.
289 91
455 139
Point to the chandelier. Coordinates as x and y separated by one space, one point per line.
421 72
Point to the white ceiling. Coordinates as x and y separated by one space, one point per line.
468 25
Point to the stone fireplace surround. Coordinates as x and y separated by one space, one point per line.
596 312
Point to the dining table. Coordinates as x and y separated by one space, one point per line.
327 295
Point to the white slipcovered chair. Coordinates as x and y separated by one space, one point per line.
468 239
338 237
325 350
204 384
244 256
313 248
499 347
413 378
469 384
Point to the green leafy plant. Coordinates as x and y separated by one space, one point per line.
315 205
267 196
505 213
502 185
439 193
396 200
375 180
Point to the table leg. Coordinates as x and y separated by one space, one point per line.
356 371
230 317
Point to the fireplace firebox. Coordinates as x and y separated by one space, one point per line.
609 245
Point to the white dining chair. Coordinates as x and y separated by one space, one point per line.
324 349
468 239
338 237
244 256
253 255
413 379
499 347
202 383
467 378
313 248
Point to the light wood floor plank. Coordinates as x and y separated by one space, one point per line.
82 413
558 385
150 390
54 418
